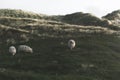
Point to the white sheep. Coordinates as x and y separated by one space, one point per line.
25 48
71 44
12 50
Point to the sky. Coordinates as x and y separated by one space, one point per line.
62 7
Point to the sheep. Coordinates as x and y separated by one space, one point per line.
25 48
71 44
12 50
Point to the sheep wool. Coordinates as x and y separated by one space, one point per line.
12 50
71 44
25 48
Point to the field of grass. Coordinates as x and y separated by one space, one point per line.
95 57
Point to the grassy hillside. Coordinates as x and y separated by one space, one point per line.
114 17
95 57
19 14
82 19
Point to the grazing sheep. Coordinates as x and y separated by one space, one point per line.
25 48
12 50
71 44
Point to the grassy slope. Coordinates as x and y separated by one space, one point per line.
95 57
19 14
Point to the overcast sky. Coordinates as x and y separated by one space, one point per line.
60 7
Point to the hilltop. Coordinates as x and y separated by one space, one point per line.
114 17
95 57
19 14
